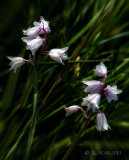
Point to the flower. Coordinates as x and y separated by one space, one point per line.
101 70
58 54
92 101
33 44
111 93
39 28
71 109
16 62
44 24
102 124
93 86
33 32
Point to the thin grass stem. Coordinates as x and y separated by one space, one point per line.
66 156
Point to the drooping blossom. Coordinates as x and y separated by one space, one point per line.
111 93
58 54
39 28
75 108
101 124
101 70
33 44
16 62
71 109
94 86
92 101
44 24
33 32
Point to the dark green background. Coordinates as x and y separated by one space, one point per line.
92 34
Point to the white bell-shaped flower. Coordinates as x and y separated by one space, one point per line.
92 101
33 44
58 54
16 62
93 86
39 28
111 93
101 70
44 24
102 124
33 32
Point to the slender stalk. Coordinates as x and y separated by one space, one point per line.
84 113
104 81
66 156
35 81
32 130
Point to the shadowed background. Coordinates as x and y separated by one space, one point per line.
94 31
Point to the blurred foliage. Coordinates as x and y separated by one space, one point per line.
94 30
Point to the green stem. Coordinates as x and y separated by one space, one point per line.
32 130
66 156
35 81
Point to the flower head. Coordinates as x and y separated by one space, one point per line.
111 93
71 109
92 101
39 28
33 44
45 25
58 54
102 124
16 62
93 86
101 70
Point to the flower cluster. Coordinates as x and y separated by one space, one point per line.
34 42
95 89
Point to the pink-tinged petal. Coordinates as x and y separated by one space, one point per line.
16 62
92 82
104 122
39 28
57 60
16 65
101 124
33 44
62 50
53 53
111 93
27 39
58 55
45 25
36 24
15 59
64 57
31 31
93 86
92 101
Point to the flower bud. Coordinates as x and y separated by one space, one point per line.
71 109
101 70
16 62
